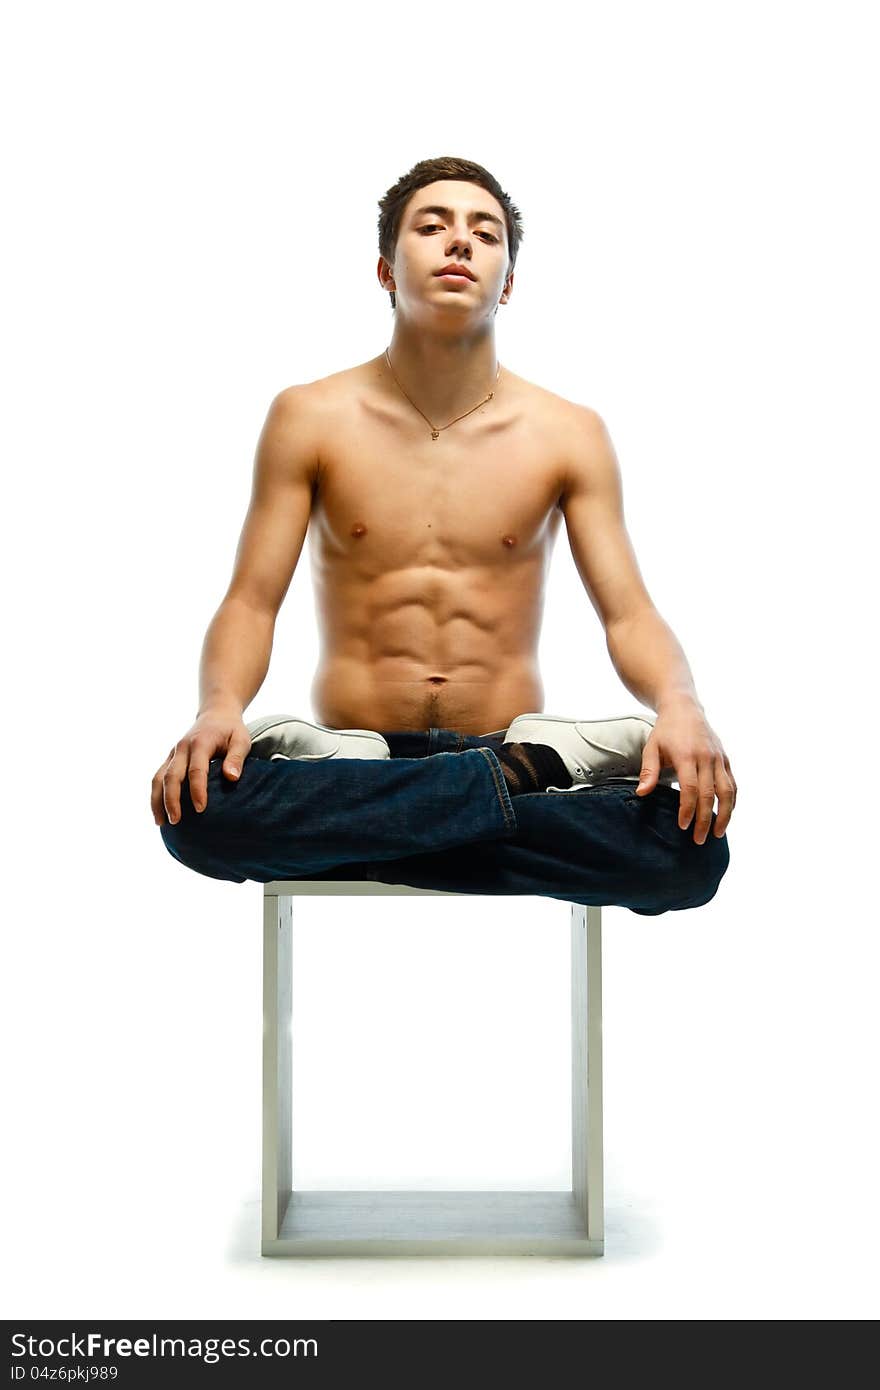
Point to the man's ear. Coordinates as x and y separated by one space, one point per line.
380 270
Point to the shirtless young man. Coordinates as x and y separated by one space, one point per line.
434 483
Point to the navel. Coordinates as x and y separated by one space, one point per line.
358 529
508 540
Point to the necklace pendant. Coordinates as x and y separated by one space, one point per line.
435 434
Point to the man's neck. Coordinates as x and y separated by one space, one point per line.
442 375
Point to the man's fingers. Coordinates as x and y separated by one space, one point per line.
172 779
239 747
650 767
726 788
198 778
686 775
705 799
157 800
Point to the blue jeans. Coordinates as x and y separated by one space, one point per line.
438 814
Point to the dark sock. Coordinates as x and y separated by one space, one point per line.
532 767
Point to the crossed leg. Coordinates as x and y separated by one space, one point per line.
447 821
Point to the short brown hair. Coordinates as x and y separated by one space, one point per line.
427 171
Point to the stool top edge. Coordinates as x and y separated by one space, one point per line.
367 887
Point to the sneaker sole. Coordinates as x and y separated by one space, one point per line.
606 782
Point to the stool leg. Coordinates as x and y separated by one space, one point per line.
277 1069
586 1067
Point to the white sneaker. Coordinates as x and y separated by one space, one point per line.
285 736
593 750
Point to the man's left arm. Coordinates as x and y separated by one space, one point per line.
643 648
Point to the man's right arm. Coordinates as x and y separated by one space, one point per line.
238 643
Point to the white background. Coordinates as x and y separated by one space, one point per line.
191 227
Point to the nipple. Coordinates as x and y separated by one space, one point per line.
358 529
508 540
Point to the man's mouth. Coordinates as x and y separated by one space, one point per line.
458 272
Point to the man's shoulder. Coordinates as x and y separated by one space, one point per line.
581 442
327 390
557 408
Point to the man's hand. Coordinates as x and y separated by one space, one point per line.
215 730
682 739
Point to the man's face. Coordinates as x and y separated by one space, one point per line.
464 232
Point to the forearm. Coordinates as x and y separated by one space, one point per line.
235 655
649 660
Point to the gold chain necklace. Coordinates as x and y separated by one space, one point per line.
435 432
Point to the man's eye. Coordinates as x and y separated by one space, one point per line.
435 227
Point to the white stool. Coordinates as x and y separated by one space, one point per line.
304 1222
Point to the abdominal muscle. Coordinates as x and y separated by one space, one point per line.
393 659
348 693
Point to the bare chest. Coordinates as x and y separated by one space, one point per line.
483 494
